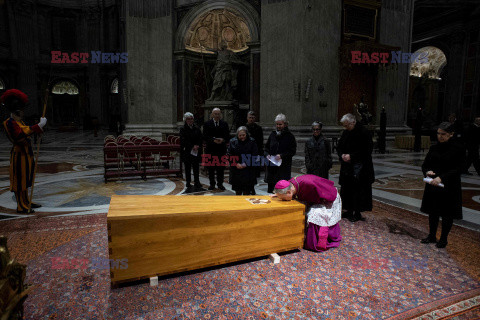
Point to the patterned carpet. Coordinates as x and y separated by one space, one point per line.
380 271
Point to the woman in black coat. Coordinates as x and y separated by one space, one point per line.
356 168
443 164
191 151
281 145
318 155
244 150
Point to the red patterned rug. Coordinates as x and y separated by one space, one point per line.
380 271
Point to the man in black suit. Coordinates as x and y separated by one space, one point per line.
216 134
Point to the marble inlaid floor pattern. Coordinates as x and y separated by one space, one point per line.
69 184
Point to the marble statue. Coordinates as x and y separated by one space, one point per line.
224 74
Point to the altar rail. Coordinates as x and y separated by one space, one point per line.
140 157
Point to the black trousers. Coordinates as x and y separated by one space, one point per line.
220 171
247 191
472 158
192 162
447 223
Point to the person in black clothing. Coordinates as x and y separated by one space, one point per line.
443 163
191 151
256 132
356 168
457 126
318 154
216 134
281 145
472 140
242 171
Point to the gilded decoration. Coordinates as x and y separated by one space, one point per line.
431 68
65 87
209 29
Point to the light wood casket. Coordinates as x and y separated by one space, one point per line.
160 235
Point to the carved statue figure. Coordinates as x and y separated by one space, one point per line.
361 112
224 74
13 291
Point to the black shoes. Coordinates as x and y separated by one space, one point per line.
198 187
347 215
35 205
429 240
26 211
441 244
357 216
189 188
353 217
211 187
221 187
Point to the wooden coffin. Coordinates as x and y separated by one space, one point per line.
160 235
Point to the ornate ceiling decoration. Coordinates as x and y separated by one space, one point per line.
209 29
65 87
433 67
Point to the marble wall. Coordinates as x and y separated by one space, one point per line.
300 41
394 29
149 72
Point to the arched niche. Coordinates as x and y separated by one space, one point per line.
66 111
214 26
207 24
235 21
114 86
426 86
430 63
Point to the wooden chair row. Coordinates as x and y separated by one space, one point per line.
143 160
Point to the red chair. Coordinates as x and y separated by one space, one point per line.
109 138
121 140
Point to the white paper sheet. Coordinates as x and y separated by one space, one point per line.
429 181
276 162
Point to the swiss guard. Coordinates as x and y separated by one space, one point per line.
21 156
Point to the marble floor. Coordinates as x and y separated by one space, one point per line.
70 180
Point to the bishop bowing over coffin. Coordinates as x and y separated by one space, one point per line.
324 209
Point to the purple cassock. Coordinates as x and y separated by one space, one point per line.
320 195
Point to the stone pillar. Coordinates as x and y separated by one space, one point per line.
455 74
255 78
149 74
24 13
93 69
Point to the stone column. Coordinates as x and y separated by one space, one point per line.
255 78
455 74
24 13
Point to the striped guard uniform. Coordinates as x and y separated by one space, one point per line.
21 159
